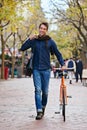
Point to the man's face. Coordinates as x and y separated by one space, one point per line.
42 30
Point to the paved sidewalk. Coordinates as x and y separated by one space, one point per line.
17 109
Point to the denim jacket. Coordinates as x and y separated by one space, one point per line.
41 50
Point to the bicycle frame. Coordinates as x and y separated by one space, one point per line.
63 96
62 87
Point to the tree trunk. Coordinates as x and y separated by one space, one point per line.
13 65
13 57
3 47
84 56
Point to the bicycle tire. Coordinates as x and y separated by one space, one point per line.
63 105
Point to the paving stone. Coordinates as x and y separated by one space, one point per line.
17 106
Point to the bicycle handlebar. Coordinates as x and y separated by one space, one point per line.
62 73
61 69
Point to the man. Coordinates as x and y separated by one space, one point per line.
79 69
42 45
71 69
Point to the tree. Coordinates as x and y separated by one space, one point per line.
7 10
75 15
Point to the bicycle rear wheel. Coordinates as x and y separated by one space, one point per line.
63 105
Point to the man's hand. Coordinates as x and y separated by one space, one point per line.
63 68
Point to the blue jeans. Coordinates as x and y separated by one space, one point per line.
41 83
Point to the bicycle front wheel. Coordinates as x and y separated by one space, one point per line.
63 105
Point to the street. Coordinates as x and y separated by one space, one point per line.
17 106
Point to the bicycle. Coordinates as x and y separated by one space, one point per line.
63 96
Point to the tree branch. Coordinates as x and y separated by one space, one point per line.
2 26
9 49
8 37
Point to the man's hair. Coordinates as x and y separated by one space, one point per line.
45 24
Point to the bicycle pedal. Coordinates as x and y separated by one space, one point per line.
69 96
57 112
